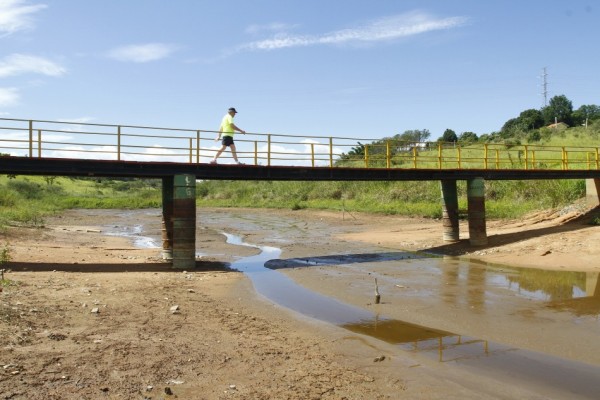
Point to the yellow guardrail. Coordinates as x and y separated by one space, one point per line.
56 139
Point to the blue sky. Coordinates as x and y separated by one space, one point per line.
360 69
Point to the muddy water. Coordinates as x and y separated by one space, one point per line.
545 374
505 298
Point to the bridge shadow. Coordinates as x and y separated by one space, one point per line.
113 267
463 246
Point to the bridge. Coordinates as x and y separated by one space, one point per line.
181 156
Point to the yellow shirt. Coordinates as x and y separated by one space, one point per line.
227 125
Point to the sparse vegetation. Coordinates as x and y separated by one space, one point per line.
4 256
26 200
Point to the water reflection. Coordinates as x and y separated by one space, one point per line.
417 338
588 305
469 284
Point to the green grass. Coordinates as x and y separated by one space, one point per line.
26 200
504 199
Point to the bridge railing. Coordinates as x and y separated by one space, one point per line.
81 140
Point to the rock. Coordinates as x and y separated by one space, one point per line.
95 310
174 309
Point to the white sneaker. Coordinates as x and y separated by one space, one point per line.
240 163
213 161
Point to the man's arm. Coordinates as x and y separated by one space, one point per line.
234 126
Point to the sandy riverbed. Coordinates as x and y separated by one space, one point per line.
225 341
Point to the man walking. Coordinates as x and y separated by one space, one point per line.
227 130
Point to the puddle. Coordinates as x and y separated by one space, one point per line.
132 232
547 375
284 291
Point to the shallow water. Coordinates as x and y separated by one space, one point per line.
547 374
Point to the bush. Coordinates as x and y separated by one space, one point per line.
4 254
29 190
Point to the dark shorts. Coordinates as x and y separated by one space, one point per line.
227 140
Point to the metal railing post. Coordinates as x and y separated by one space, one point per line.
458 156
526 157
39 143
198 147
119 143
255 152
440 155
30 138
269 150
312 154
414 151
388 155
497 159
330 152
367 156
597 159
485 156
564 159
191 150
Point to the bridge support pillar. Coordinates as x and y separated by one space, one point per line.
592 192
184 222
450 211
592 284
476 212
167 218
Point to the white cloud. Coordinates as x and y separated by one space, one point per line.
272 27
142 53
384 29
16 64
15 15
9 97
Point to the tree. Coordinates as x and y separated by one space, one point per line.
415 135
449 136
560 109
357 150
468 137
531 119
354 152
586 112
511 128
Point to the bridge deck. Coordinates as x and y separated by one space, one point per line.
109 168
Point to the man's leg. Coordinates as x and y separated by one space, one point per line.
214 160
234 153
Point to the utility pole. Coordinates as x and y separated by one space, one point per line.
545 86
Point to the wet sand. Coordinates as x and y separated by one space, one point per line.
226 334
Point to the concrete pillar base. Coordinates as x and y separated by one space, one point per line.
184 222
450 211
592 191
476 212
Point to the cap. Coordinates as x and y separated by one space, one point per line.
233 109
